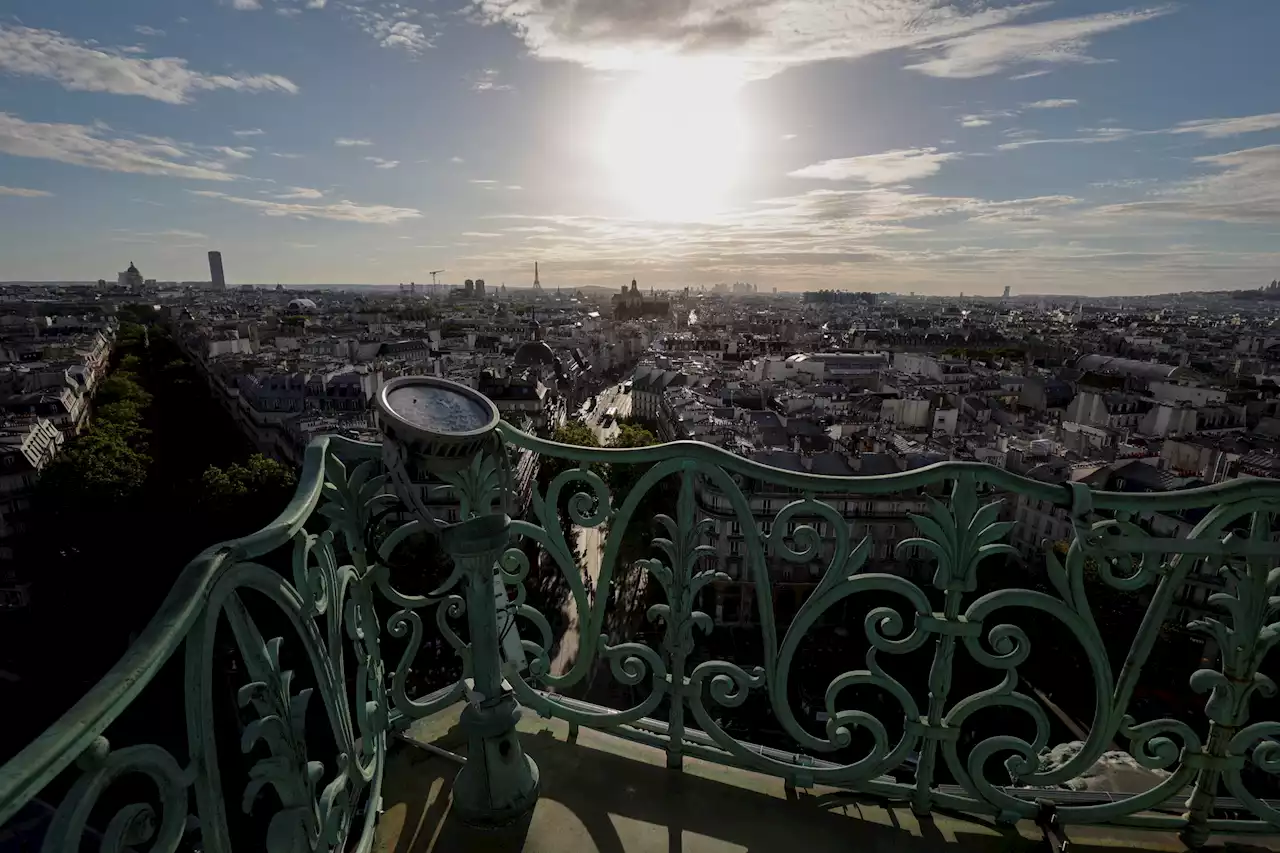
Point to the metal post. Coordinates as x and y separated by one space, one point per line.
499 783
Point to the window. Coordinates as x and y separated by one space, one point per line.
766 527
735 529
735 547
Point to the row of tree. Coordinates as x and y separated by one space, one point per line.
161 473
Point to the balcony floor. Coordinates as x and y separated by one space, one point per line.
603 794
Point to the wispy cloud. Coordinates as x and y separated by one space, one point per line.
143 30
380 163
21 192
1218 128
244 152
889 167
985 118
341 211
85 67
482 181
760 36
1211 128
343 142
172 233
246 5
456 159
514 187
90 146
1244 186
299 193
253 131
1051 104
1091 136
995 49
480 234
487 81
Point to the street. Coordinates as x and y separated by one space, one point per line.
590 540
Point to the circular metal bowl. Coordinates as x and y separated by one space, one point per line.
443 424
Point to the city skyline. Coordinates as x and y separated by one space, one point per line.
1077 146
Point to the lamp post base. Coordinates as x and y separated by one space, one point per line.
499 783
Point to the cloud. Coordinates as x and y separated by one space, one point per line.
342 142
1244 186
1211 128
83 67
487 81
889 167
405 35
246 5
139 236
388 23
758 37
1218 128
341 211
514 187
147 31
89 146
992 50
253 131
316 4
1051 104
244 152
985 118
299 193
787 137
480 234
379 163
456 159
1093 135
24 193
482 181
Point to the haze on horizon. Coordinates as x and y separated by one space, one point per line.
938 146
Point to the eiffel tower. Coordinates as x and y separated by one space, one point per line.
537 285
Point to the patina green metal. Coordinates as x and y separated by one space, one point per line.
348 517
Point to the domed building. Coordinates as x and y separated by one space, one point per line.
302 305
534 354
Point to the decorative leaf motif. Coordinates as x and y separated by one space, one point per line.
960 538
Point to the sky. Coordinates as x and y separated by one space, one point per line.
1085 147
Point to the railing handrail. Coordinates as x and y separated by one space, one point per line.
868 484
37 764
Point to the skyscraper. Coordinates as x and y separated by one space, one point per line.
219 281
1006 291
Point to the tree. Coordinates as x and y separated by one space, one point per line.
236 482
121 387
97 470
573 432
122 419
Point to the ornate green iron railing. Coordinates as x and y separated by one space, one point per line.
322 570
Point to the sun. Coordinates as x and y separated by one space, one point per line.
673 140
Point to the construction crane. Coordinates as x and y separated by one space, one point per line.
433 276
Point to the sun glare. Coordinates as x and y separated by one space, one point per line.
673 141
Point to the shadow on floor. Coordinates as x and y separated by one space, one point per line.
595 800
